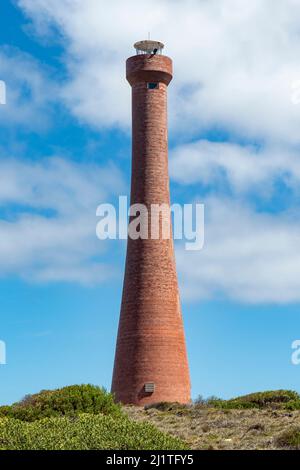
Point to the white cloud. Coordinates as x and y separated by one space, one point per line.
49 229
234 64
244 168
249 257
29 91
234 60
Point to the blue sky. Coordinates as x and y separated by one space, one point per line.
65 148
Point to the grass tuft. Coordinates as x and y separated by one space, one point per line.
289 439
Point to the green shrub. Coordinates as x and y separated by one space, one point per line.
289 439
293 405
68 401
84 432
202 402
282 399
272 399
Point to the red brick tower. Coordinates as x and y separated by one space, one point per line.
151 361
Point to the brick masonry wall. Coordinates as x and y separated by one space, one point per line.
151 343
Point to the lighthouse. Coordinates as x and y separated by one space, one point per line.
151 360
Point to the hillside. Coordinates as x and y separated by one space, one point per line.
260 421
226 429
86 417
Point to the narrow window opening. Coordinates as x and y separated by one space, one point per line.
152 86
